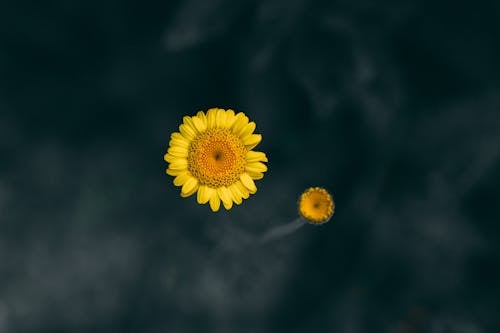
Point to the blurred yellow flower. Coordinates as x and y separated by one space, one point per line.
316 205
212 155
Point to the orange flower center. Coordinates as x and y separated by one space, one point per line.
216 157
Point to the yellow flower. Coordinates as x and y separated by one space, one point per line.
316 205
212 155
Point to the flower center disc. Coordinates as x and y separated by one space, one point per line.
216 157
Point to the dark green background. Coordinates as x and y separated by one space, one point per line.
391 105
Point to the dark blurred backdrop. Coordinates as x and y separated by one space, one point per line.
391 105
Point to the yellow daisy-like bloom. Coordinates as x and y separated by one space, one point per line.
212 155
316 205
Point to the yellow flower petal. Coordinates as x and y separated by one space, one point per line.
187 131
252 140
202 116
248 182
174 173
214 202
182 178
178 151
169 158
220 118
255 156
246 130
199 124
225 196
189 187
179 164
229 118
178 136
256 167
236 194
188 121
240 121
211 115
228 205
204 194
178 143
255 175
243 190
